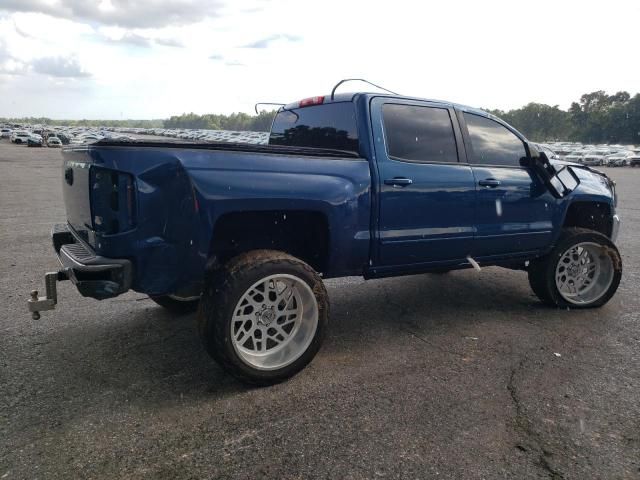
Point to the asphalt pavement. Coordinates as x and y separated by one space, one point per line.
462 375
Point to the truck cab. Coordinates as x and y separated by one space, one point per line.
448 181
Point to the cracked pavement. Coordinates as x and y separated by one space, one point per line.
462 375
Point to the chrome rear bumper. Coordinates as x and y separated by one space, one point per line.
94 276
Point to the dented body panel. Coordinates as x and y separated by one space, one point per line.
181 193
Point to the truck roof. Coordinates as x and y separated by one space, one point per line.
351 96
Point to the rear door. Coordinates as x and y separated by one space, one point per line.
514 209
426 195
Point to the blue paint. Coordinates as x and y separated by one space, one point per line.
375 229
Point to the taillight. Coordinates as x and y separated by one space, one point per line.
130 201
307 102
113 198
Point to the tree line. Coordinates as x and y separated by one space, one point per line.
596 118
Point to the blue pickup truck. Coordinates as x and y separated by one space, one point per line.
364 184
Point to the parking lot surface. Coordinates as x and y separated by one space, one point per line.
463 375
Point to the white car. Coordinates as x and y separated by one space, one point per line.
54 142
594 158
574 157
20 136
5 133
620 159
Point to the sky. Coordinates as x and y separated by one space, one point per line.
143 59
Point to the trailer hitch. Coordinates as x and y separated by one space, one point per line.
48 302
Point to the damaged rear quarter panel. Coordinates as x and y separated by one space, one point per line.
182 192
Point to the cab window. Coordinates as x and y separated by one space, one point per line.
419 134
493 143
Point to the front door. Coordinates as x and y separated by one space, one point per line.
515 209
426 195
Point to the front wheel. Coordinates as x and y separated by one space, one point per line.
263 316
582 271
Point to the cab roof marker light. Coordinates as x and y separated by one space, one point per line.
307 102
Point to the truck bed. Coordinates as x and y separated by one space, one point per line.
159 203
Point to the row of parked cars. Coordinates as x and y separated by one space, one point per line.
34 135
595 155
201 135
39 136
29 138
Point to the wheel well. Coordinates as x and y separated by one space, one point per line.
592 215
303 234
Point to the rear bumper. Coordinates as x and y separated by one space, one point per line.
94 276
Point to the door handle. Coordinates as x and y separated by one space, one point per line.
489 182
398 181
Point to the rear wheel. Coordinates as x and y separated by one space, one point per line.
582 271
176 304
264 316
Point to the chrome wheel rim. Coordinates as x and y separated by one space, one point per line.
584 273
274 322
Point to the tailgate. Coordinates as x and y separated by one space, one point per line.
98 200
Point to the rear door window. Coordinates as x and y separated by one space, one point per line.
419 133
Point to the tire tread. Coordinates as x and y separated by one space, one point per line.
542 270
221 289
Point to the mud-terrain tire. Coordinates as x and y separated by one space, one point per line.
582 271
177 305
263 316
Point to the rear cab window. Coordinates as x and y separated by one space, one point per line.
330 125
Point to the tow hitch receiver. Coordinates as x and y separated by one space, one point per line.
48 302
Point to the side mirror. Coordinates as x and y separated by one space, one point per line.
565 181
559 180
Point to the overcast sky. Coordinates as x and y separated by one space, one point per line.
113 59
